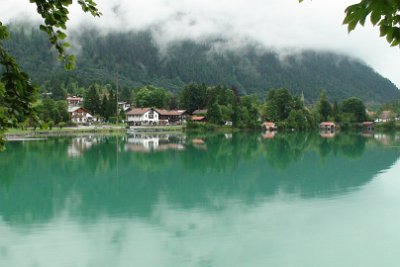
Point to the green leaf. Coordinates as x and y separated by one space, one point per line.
375 17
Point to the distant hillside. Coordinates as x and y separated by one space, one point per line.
139 61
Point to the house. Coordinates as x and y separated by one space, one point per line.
200 112
368 126
142 117
268 126
171 116
74 101
327 126
80 115
385 116
122 105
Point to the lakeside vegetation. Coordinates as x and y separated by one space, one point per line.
224 108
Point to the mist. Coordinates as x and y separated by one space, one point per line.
280 25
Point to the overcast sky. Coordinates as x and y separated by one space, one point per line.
278 24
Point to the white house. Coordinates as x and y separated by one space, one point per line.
142 116
123 105
74 101
80 115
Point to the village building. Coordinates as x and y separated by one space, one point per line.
385 116
171 117
150 116
122 105
80 115
142 117
327 126
75 101
268 126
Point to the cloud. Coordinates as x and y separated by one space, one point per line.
277 24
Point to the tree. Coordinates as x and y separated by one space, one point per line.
354 108
151 96
383 13
92 100
214 114
278 104
18 93
324 108
193 96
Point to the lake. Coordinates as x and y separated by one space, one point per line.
201 200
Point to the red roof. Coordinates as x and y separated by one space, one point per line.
138 111
327 123
198 118
74 98
165 112
268 124
368 123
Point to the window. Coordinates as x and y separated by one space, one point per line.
151 114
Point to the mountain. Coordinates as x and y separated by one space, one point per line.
137 60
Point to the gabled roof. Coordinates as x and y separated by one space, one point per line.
74 98
198 118
268 124
165 112
74 109
327 123
138 111
368 123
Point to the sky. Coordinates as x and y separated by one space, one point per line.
282 25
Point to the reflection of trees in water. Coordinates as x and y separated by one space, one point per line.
286 148
241 166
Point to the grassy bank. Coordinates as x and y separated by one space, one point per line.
16 132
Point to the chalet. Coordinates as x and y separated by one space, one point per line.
268 126
327 126
171 116
142 117
74 101
385 116
368 126
80 115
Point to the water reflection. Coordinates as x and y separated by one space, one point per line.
154 142
200 200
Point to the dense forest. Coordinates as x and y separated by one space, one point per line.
134 60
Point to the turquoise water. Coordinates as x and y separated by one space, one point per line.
205 200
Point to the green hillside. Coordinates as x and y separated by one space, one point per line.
252 69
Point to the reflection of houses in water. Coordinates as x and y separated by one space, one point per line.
269 126
199 143
382 138
80 145
268 135
327 134
368 126
147 142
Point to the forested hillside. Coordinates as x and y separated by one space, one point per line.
138 61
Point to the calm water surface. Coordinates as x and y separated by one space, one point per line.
217 200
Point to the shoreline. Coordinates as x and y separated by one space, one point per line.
70 131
